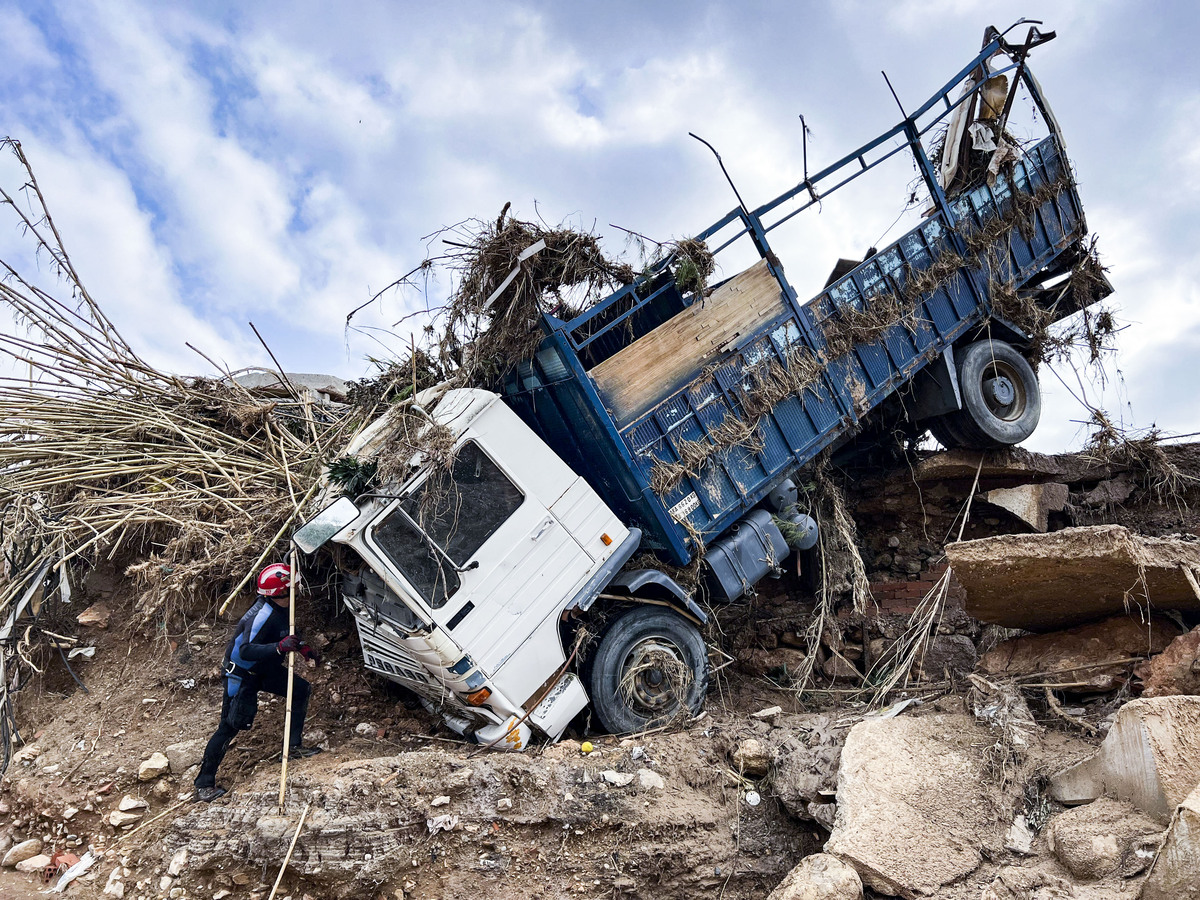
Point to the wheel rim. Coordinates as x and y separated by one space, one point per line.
654 677
1003 390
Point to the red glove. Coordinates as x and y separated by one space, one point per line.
289 644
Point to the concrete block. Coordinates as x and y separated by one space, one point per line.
1175 873
1043 582
1150 758
1031 503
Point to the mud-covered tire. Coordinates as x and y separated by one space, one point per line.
649 666
1001 398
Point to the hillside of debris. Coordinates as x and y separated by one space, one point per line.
962 787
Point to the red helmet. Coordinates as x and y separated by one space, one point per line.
274 580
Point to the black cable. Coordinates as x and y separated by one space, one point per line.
63 657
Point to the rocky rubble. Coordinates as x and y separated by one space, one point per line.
946 798
914 811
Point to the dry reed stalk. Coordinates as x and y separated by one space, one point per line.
179 481
895 669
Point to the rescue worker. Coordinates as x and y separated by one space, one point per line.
256 660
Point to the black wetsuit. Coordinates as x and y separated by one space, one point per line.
253 664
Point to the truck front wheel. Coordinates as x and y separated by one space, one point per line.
1001 399
650 666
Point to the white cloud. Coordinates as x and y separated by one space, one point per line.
225 211
22 44
280 163
112 246
301 93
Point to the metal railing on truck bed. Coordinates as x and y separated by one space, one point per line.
685 414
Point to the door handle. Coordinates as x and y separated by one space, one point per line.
543 528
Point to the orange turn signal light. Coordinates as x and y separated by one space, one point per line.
606 539
479 697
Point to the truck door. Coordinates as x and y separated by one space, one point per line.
507 561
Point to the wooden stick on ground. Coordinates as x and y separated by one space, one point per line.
287 716
170 809
287 859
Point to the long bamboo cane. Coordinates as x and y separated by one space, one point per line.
291 849
287 716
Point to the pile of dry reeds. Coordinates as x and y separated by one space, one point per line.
1141 452
185 484
489 327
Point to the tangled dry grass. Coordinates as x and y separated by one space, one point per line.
489 325
182 483
987 242
1141 452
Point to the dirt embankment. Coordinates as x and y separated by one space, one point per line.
399 808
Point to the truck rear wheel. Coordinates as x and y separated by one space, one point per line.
1001 399
651 665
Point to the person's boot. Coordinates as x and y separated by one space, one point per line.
303 752
208 794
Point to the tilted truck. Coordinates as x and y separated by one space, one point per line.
674 422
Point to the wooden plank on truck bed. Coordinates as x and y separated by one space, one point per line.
637 377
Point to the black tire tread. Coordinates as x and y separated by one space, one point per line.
973 424
630 627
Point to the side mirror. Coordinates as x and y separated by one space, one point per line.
322 527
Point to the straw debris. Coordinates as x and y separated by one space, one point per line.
763 387
1141 452
488 330
179 482
694 265
853 325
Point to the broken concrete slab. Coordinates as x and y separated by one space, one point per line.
1041 582
1091 657
819 877
1150 758
269 383
913 806
1174 671
1175 874
1031 503
1014 464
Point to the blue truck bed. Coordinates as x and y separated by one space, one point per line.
697 369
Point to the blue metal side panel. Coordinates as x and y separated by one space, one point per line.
798 428
619 460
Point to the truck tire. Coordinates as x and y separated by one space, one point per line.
651 665
1001 399
945 432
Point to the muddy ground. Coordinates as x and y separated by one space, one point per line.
398 807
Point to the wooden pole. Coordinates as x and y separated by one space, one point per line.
287 859
287 716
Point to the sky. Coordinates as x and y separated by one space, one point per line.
213 164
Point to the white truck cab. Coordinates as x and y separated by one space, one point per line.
461 586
